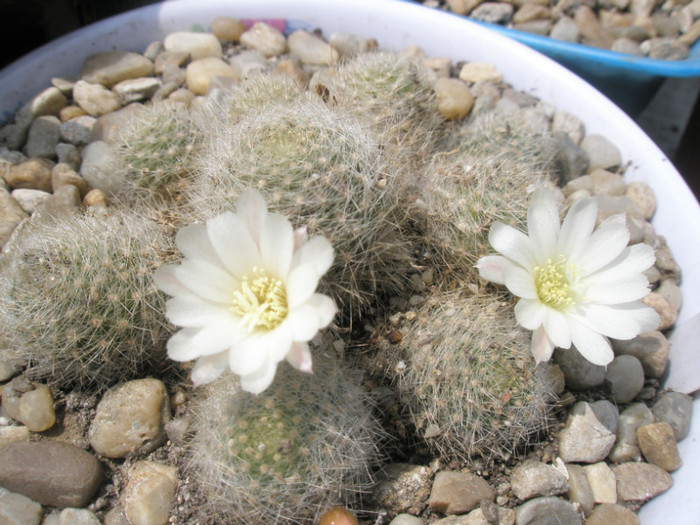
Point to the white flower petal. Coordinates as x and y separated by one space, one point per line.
193 242
520 282
590 344
301 284
252 210
633 288
647 318
304 322
577 226
512 244
166 280
277 244
491 268
180 347
530 313
246 356
604 245
325 308
190 343
543 220
207 280
541 346
556 325
610 321
233 244
632 260
299 356
258 381
208 368
190 310
316 252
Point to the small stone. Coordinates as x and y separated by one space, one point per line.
607 182
135 89
48 102
406 519
570 162
108 125
129 419
478 72
601 152
196 45
579 489
227 28
349 45
609 205
608 514
676 409
670 291
533 479
76 517
95 198
651 348
265 38
50 472
643 197
44 134
248 63
624 378
627 447
545 511
566 30
78 130
602 481
627 46
337 516
531 11
63 175
663 307
568 123
579 373
36 410
454 99
493 13
149 493
16 509
404 488
109 67
173 75
33 174
664 48
98 168
589 433
658 444
311 50
65 199
169 59
178 430
200 72
95 99
591 31
30 200
116 516
458 492
641 481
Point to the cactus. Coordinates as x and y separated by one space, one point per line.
77 301
496 163
157 147
284 456
322 170
466 376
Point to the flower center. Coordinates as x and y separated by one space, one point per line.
553 283
261 302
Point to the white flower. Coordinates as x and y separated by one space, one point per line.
576 285
244 294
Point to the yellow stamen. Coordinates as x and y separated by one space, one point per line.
261 302
553 283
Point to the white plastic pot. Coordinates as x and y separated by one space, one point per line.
399 24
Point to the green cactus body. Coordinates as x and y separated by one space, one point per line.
257 92
77 301
307 442
467 377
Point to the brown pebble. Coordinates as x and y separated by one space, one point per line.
225 28
658 444
337 516
395 337
95 198
70 112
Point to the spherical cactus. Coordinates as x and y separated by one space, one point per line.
77 301
488 177
257 92
323 170
466 376
308 442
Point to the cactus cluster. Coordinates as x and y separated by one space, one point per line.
307 443
77 301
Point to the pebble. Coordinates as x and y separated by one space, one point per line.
169 59
129 419
658 445
49 102
651 348
664 48
44 134
590 29
533 479
626 45
454 99
676 409
149 492
11 214
30 200
493 13
641 481
601 152
109 67
570 161
95 99
311 50
196 45
71 112
178 430
65 199
602 481
50 472
64 175
624 378
72 517
36 410
579 489
541 511
627 447
473 72
115 516
565 29
589 433
16 509
68 154
406 519
78 130
227 28
609 514
607 182
667 312
609 205
95 198
579 373
98 169
568 123
34 174
670 291
265 38
249 62
107 125
458 492
348 45
200 72
136 89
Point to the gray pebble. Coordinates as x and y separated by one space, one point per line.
640 482
30 200
579 489
570 160
565 29
626 45
601 152
78 130
493 13
16 509
570 124
676 409
44 134
98 168
624 378
643 197
664 48
72 517
547 511
95 99
458 492
626 447
589 433
265 38
311 50
406 519
248 63
579 373
651 348
68 154
533 479
136 89
403 488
